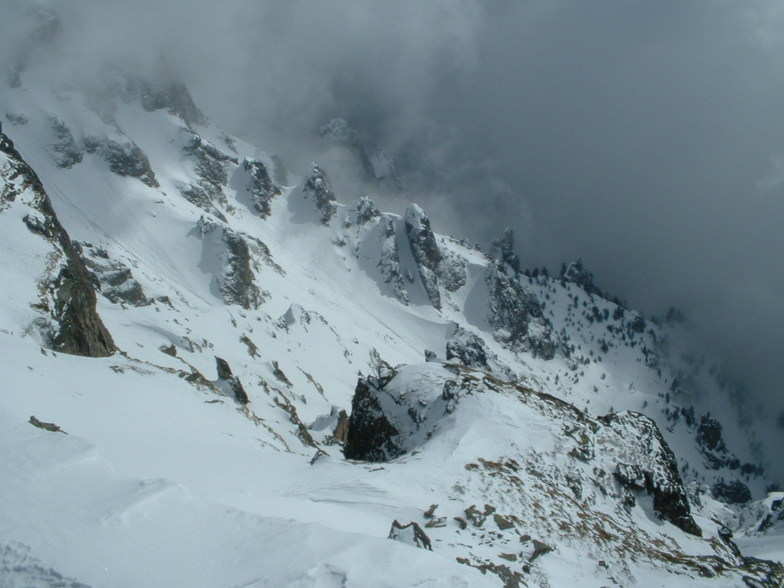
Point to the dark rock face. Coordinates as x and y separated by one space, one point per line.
115 281
260 186
733 492
384 424
452 273
45 426
81 331
516 314
472 352
208 156
425 251
236 282
767 574
370 435
199 197
774 515
67 152
366 210
318 185
712 447
503 249
228 381
70 296
657 473
123 159
211 168
389 263
577 274
173 97
411 533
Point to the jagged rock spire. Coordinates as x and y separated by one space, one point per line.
318 184
425 251
366 210
260 186
575 272
503 249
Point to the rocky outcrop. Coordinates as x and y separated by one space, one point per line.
231 254
711 445
765 516
51 427
732 492
411 534
515 314
174 97
66 151
371 436
124 159
365 211
576 273
317 187
72 324
655 471
452 272
211 167
425 251
389 261
19 567
197 196
470 350
259 185
80 330
236 283
393 415
407 253
114 279
229 383
503 250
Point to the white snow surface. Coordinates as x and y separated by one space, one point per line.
161 479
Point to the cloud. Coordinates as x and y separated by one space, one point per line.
773 179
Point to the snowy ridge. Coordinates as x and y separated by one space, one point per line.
546 475
211 278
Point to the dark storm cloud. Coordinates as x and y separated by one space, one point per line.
646 138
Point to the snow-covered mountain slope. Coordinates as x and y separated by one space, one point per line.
223 321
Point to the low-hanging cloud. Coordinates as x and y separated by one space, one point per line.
645 138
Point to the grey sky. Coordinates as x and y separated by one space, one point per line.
645 137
